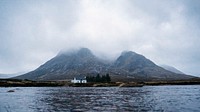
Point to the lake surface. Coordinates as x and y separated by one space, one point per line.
64 99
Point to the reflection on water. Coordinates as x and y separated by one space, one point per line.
148 98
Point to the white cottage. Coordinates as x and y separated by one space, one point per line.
79 79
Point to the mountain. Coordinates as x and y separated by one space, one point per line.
139 67
67 65
129 66
4 76
172 69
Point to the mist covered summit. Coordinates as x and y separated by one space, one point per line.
129 66
66 65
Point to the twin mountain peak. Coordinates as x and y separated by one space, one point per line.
129 66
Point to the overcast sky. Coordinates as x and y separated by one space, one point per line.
34 31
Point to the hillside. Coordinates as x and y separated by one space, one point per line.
129 66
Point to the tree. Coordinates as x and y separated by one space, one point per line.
108 78
98 78
103 78
90 78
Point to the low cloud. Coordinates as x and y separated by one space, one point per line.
33 32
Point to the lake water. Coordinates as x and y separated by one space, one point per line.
64 99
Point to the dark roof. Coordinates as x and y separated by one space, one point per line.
80 77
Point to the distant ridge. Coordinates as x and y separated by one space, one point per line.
4 76
129 66
172 69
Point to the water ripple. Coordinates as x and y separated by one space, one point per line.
107 99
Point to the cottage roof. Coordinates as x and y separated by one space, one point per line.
80 77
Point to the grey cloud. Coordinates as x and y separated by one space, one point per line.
32 32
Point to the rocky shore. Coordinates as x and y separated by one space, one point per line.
29 83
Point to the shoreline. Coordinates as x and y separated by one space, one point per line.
29 83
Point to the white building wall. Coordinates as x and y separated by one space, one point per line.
84 81
78 81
